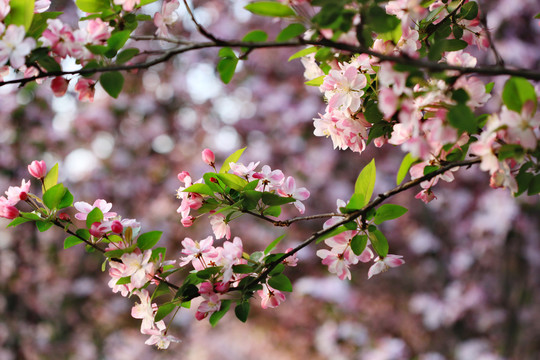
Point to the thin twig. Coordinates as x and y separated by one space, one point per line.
201 29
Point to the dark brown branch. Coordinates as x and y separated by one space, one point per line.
200 28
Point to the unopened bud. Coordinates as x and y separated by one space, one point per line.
96 230
64 216
117 227
23 196
208 157
37 169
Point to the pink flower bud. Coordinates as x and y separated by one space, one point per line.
222 287
182 175
10 212
200 315
96 230
59 86
187 221
37 169
117 227
64 216
208 157
23 196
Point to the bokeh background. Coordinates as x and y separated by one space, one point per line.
469 290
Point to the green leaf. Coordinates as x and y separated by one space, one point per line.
93 6
145 2
274 199
17 221
200 189
208 272
406 164
242 311
277 270
388 212
510 151
53 196
242 269
365 183
379 242
358 244
280 282
39 23
270 8
215 317
147 240
49 64
227 65
161 289
469 11
72 241
516 92
255 36
51 178
124 280
462 118
315 82
356 202
233 181
112 82
291 31
251 199
534 186
126 55
164 310
381 22
489 87
233 158
274 211
43 225
302 53
273 244
22 13
94 216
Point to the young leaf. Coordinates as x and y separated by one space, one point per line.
112 82
242 311
53 196
255 36
516 92
227 65
469 11
534 186
51 178
406 164
200 189
94 216
280 282
273 244
126 55
274 199
215 317
315 82
270 8
291 31
147 240
277 270
93 6
379 242
43 225
274 211
365 183
302 53
233 181
71 241
462 118
233 158
22 13
39 23
242 269
388 212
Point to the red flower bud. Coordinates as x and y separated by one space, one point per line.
96 230
23 196
117 227
208 157
64 216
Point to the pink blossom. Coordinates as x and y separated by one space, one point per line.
167 16
84 209
162 341
138 266
187 221
7 210
14 47
38 169
117 271
230 254
219 226
520 127
41 5
268 179
59 86
312 70
503 178
208 157
382 265
127 5
291 260
144 310
476 90
426 195
197 250
15 193
288 189
211 302
86 89
270 297
344 88
345 131
388 102
98 229
243 170
336 262
4 9
97 31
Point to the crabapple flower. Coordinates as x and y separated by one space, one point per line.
336 262
98 229
86 89
4 9
268 179
426 195
167 16
242 170
15 193
85 208
220 227
502 178
144 311
7 210
41 5
382 265
138 266
291 260
270 297
38 169
196 251
117 271
289 189
344 88
59 86
14 47
162 341
211 302
208 157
